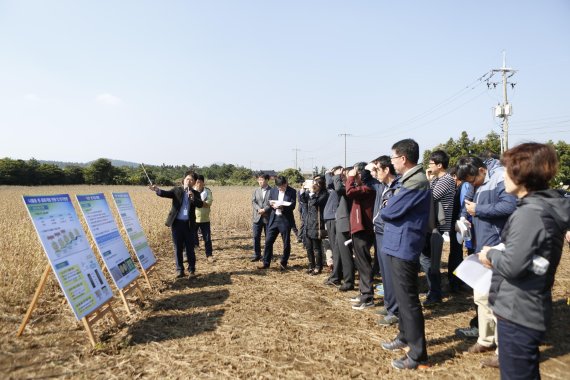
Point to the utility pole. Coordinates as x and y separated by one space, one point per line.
504 110
345 135
296 150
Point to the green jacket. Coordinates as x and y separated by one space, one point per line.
203 213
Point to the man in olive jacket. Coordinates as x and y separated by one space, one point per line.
182 220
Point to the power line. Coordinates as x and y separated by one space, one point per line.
345 135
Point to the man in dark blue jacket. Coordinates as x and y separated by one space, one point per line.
282 201
406 218
182 220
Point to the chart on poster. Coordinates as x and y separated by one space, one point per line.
134 230
69 253
106 234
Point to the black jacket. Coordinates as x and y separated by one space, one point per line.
314 221
537 227
176 194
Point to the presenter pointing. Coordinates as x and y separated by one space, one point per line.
182 220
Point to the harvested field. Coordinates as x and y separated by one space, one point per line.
231 321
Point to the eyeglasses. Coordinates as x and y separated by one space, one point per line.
393 158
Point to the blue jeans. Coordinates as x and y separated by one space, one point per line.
518 350
258 228
206 236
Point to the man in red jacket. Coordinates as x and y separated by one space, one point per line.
360 191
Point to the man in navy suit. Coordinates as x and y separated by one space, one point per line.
282 200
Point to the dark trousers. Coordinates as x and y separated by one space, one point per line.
455 258
518 350
314 253
336 274
390 302
258 228
183 236
206 232
345 257
279 226
411 321
362 242
430 261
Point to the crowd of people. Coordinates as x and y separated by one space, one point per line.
404 213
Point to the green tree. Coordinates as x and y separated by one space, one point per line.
49 174
100 172
242 176
293 176
73 175
563 152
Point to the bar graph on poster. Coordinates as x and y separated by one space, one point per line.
134 230
106 234
72 260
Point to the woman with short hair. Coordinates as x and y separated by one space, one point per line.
523 273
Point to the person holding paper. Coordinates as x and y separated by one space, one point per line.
182 219
203 217
490 209
523 274
282 201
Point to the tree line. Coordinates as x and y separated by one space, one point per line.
102 171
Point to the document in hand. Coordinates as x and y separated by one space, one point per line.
474 274
280 203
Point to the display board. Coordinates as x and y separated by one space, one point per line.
106 234
134 230
69 253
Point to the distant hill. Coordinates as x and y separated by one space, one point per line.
63 164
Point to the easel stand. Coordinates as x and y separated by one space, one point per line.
132 287
147 272
88 320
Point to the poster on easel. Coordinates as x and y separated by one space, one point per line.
72 260
130 221
107 238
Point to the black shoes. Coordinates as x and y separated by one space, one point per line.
282 267
345 288
254 259
330 282
262 267
180 275
394 345
407 363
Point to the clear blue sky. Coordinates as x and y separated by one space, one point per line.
248 82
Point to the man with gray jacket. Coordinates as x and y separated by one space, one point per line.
490 210
259 200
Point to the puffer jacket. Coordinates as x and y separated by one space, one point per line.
537 227
494 206
314 221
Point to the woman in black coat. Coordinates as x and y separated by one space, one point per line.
524 269
316 198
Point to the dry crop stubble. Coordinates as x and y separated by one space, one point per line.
231 321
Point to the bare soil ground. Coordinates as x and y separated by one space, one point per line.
233 321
